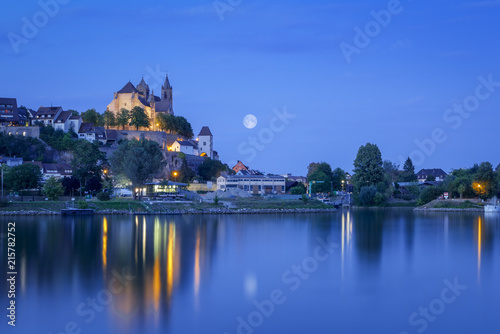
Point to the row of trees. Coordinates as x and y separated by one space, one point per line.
376 180
324 179
174 124
137 118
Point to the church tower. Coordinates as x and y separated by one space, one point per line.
166 91
143 88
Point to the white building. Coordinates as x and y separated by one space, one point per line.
185 146
62 121
254 184
48 115
206 143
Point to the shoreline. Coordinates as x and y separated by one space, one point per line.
449 209
172 212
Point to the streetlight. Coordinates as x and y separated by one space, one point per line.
175 175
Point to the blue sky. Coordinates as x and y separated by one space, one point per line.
260 57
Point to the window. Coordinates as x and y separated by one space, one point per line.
24 134
204 143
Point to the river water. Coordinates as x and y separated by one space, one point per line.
358 271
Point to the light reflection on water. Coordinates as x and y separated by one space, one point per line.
199 274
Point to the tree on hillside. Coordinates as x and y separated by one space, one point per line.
211 169
137 160
87 161
26 147
485 181
184 127
25 176
161 121
138 118
170 123
109 119
74 112
186 174
123 118
91 116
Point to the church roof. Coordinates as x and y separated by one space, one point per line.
128 88
143 83
205 131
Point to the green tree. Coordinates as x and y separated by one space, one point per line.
123 118
186 174
70 185
368 166
485 181
391 170
109 119
430 178
338 177
139 118
408 174
320 171
367 195
25 176
26 147
461 189
53 189
91 116
429 194
184 127
137 160
211 169
161 121
87 161
368 170
93 184
74 112
299 189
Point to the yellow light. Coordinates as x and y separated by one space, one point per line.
175 173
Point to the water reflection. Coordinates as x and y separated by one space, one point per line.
172 274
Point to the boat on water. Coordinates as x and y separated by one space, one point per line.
492 208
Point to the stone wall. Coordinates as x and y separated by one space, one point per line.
162 138
27 131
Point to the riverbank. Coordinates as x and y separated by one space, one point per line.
452 205
131 207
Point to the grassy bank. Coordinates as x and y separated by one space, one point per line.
130 205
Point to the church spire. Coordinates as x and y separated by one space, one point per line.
166 84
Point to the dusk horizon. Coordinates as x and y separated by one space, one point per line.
345 88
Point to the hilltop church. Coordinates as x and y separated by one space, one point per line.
130 97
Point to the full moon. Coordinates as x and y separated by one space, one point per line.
250 121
